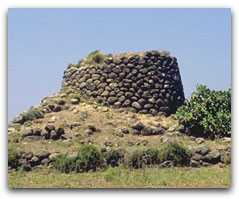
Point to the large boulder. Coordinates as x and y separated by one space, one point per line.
138 126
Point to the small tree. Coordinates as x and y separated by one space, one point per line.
207 112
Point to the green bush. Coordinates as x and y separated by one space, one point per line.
207 112
33 114
65 164
176 153
112 157
98 58
153 155
88 158
135 158
13 156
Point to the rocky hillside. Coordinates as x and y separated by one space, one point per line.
75 116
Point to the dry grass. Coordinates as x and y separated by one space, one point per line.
109 123
205 177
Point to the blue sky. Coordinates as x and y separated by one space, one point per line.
42 42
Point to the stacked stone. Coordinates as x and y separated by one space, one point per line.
146 84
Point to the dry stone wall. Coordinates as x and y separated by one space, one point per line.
150 83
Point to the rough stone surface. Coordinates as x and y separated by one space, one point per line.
109 144
74 101
135 132
166 164
147 131
138 126
202 150
158 131
147 84
199 140
26 132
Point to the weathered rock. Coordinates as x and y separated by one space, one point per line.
45 134
166 164
95 76
105 94
138 125
53 156
135 132
57 108
49 127
92 127
26 167
125 131
197 157
136 105
26 132
199 140
194 163
88 132
212 158
75 125
144 142
82 85
226 139
109 144
52 119
158 131
67 137
171 129
42 154
36 131
202 150
120 134
147 131
45 161
205 164
19 119
75 111
60 102
90 87
32 138
105 109
127 103
112 100
74 101
34 161
54 135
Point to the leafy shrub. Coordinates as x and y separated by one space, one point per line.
207 112
176 153
96 57
153 155
112 157
135 158
33 114
65 164
13 156
88 158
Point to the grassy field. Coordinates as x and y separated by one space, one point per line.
204 177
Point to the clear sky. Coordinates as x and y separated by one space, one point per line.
42 42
